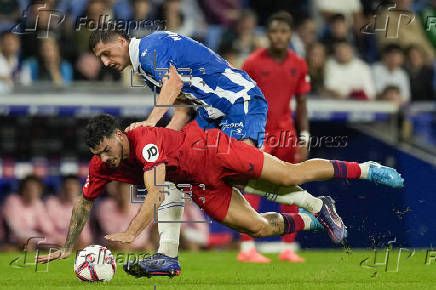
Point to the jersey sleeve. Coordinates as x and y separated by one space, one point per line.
303 85
149 149
94 185
157 56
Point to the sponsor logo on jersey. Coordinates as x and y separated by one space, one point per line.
150 152
232 125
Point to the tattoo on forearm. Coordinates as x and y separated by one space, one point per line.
79 217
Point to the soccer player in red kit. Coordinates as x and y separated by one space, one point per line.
280 74
210 161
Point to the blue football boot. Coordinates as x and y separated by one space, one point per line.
384 175
331 221
155 265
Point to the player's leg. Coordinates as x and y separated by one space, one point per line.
248 252
249 162
288 254
288 195
287 174
254 120
243 218
165 261
285 145
244 161
170 210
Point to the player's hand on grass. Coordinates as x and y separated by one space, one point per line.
139 124
58 255
123 237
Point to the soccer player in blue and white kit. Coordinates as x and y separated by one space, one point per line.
227 98
184 71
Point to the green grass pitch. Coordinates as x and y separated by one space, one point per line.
219 270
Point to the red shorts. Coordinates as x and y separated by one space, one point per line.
226 159
214 201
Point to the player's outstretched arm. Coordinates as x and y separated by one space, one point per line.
79 217
154 180
171 88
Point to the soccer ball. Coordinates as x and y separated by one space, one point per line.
95 264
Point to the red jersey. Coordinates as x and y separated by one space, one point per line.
194 156
143 144
279 82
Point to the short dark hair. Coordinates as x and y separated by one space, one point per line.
27 179
5 33
391 48
68 177
337 17
106 33
98 127
415 47
134 1
340 41
281 16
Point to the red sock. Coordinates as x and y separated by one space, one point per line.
293 223
344 169
299 223
246 238
290 238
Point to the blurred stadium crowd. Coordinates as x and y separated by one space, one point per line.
26 215
346 60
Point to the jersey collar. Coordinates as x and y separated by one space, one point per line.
134 53
277 61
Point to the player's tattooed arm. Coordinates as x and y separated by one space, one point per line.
153 180
79 217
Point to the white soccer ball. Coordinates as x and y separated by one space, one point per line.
95 264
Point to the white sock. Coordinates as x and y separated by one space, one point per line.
307 221
246 245
364 168
170 210
284 194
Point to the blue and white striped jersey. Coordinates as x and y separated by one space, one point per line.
208 79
